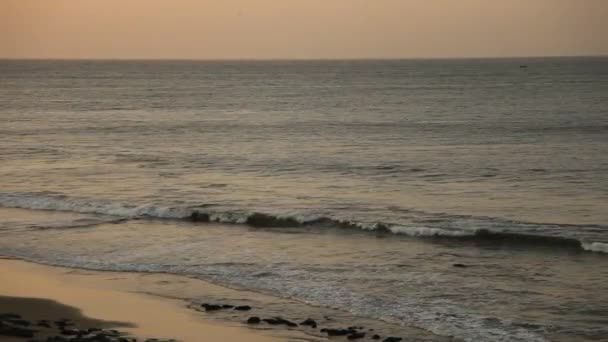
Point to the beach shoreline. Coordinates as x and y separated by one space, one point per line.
163 307
36 293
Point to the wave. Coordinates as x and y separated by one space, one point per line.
62 203
205 214
601 247
81 223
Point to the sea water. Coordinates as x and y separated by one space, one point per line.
355 185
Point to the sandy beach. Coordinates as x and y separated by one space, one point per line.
38 292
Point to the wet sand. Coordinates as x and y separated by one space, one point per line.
39 292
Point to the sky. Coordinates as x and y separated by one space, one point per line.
301 29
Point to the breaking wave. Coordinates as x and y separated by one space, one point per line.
601 247
202 214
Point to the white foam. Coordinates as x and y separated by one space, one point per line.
227 217
42 202
426 231
601 247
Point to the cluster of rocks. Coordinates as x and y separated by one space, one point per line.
216 307
351 333
63 330
13 325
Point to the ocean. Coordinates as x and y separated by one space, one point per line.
351 185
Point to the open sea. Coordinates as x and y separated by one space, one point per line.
352 185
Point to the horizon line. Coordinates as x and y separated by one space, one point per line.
281 59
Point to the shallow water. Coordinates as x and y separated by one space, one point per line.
506 293
369 180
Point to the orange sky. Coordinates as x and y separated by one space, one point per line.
214 29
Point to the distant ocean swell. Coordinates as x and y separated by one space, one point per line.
121 211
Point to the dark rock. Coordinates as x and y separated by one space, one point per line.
356 336
376 337
227 306
392 339
199 217
69 332
57 339
459 265
211 307
272 321
279 321
43 323
6 330
309 322
243 308
254 320
337 332
62 323
9 315
20 322
103 338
